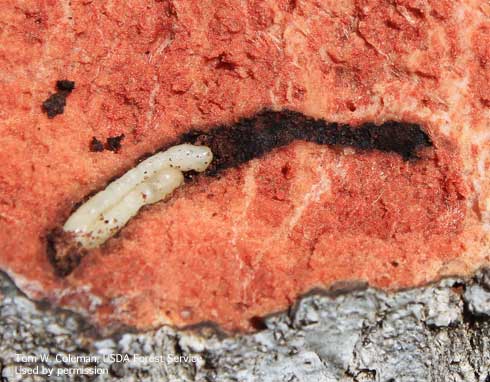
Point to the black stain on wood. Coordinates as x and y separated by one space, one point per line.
65 85
96 145
114 143
56 102
64 253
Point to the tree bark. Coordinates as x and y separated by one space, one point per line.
350 333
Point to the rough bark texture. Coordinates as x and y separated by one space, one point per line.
437 333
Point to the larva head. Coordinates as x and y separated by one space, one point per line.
188 157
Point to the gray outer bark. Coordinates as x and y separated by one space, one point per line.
436 333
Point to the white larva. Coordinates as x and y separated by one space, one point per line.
149 182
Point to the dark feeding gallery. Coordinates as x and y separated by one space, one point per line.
255 136
252 137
